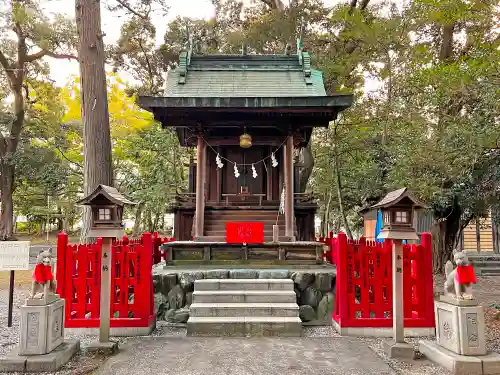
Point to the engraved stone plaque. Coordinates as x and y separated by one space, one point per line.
32 330
472 335
447 335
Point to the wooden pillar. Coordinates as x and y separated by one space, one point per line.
397 292
105 298
269 177
219 180
478 236
289 212
200 188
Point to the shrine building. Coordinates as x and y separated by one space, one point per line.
247 115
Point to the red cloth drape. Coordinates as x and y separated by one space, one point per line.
465 275
245 232
42 273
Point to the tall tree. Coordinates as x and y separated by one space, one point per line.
96 133
35 36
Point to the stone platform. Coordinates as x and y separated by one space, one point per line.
204 251
488 364
313 289
50 362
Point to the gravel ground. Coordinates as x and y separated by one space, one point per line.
487 292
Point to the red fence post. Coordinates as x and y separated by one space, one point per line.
146 300
429 282
62 245
341 289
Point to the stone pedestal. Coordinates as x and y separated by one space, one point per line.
460 339
42 327
42 347
460 329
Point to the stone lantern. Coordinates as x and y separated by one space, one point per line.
397 215
397 225
107 205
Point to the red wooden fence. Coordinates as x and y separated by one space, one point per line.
79 281
364 283
329 255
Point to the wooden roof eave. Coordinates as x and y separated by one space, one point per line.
249 104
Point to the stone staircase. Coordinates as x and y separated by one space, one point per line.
486 264
244 307
215 222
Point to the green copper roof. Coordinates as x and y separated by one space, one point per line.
244 76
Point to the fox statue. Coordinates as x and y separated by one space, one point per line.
458 280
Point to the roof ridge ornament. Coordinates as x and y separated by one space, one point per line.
304 61
184 61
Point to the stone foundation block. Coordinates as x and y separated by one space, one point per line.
457 364
42 328
399 350
460 329
49 362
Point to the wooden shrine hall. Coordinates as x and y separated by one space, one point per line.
246 114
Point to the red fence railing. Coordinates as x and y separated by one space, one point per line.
79 281
329 255
364 283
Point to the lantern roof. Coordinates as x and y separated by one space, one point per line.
398 196
108 192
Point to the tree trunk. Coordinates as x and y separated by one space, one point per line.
7 189
8 148
138 217
308 165
96 132
339 195
446 237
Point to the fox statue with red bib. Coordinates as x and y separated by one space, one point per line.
43 285
459 280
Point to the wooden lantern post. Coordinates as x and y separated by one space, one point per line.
397 220
107 205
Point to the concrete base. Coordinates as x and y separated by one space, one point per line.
50 362
401 350
460 364
110 347
382 332
116 332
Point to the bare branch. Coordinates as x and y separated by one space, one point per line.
69 160
131 10
43 52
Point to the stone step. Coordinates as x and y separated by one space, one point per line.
244 284
244 326
244 309
486 263
490 271
241 296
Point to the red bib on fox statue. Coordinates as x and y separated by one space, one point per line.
42 273
465 275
